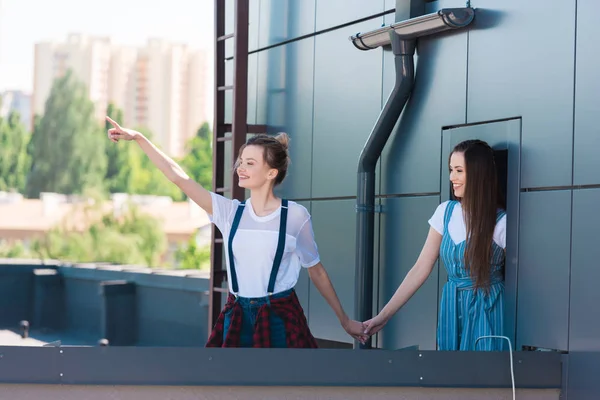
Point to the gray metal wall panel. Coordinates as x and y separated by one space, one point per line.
585 274
253 25
282 20
404 227
228 106
544 252
347 100
522 65
229 161
587 95
331 13
388 5
16 295
334 225
170 317
583 382
229 26
252 87
304 286
84 305
285 104
411 159
584 324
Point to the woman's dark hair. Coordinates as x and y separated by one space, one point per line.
275 152
480 206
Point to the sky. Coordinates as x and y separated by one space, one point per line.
128 22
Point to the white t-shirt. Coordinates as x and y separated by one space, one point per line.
457 228
255 244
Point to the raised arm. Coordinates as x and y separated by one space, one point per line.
412 282
165 164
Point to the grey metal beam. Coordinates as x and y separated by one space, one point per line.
270 367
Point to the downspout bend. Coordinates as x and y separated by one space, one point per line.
403 51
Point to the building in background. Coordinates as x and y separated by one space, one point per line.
25 220
89 59
161 86
16 100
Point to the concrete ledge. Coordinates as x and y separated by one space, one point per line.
66 392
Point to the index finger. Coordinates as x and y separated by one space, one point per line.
114 123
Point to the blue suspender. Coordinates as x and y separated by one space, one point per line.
280 246
236 222
278 253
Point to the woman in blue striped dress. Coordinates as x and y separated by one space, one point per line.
469 234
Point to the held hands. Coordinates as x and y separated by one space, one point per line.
117 133
374 325
355 329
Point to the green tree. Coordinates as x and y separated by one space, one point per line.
131 238
14 160
199 154
67 145
191 256
118 170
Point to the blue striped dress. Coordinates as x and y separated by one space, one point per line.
466 314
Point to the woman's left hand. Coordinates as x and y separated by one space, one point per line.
355 329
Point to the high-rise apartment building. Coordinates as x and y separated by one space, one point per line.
161 86
88 58
16 100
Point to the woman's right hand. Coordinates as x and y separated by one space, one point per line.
117 133
374 325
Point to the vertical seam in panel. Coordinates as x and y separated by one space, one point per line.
572 178
256 84
312 140
467 82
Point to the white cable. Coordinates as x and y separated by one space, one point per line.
512 372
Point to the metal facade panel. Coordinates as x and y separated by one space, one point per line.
285 104
582 383
584 323
171 317
521 64
334 224
282 20
411 159
83 305
587 95
331 13
253 25
404 229
544 257
304 285
252 88
16 290
346 104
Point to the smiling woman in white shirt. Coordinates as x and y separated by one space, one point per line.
469 234
267 241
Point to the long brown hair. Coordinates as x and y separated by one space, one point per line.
480 205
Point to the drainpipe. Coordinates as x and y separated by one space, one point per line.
402 36
403 51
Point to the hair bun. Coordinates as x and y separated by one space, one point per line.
284 139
